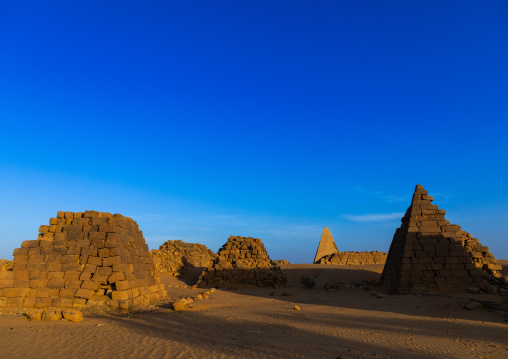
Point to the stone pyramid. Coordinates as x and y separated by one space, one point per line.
326 246
428 253
176 257
81 260
242 260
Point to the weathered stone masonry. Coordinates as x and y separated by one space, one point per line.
242 260
80 260
428 253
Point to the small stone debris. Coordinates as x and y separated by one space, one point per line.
297 307
473 290
288 294
179 305
34 314
53 314
72 315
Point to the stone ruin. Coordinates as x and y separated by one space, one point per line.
327 253
176 257
354 258
326 246
80 260
428 253
5 265
242 260
280 262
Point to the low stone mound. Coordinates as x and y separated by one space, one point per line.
242 260
354 258
5 265
280 262
82 259
176 257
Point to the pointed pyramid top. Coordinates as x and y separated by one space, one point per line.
326 246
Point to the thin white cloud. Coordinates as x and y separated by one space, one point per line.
374 217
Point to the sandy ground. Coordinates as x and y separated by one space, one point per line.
250 323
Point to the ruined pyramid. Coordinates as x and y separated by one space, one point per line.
81 260
428 253
326 246
242 260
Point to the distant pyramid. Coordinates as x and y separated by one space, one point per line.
326 246
242 260
429 253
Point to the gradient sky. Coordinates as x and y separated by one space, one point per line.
271 119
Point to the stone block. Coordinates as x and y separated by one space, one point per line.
110 261
72 275
56 283
88 284
29 302
116 277
122 285
38 275
89 268
120 295
109 228
85 276
73 284
68 267
43 302
100 278
79 303
21 259
104 252
84 293
72 315
106 271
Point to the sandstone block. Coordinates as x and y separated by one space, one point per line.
110 261
88 284
122 285
84 293
116 277
106 271
72 315
38 283
29 302
56 283
52 314
120 295
34 314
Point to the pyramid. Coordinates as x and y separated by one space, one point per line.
326 246
242 260
82 259
428 253
176 257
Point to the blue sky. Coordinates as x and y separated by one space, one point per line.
269 119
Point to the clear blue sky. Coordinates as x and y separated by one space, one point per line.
206 119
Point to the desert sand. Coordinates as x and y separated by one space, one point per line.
249 322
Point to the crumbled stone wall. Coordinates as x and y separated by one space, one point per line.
5 265
279 262
428 253
80 260
354 258
176 257
242 260
480 255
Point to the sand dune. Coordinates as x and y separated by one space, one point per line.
250 323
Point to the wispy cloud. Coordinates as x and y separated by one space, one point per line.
380 195
373 217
